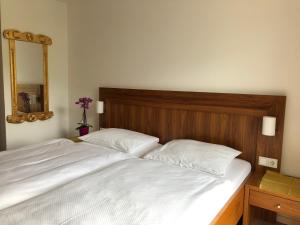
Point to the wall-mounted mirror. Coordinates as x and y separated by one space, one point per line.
28 54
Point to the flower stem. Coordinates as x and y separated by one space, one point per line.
84 120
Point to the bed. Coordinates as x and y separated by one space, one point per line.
60 182
234 120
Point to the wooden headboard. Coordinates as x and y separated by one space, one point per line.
234 120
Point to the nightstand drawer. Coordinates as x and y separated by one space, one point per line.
274 203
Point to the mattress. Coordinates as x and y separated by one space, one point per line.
215 199
132 191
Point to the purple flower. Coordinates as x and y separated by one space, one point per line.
25 97
84 102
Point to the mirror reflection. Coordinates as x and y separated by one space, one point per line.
29 65
28 58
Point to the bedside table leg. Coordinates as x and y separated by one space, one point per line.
247 208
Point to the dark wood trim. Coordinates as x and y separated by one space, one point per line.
234 120
2 106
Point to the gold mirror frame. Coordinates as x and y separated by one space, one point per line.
13 36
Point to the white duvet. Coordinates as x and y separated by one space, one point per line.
107 188
31 171
129 192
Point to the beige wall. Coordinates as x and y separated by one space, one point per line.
46 17
239 46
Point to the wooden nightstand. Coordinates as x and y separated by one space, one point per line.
275 202
75 139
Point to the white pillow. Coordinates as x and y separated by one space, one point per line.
210 158
123 140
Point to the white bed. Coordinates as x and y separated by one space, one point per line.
94 185
33 170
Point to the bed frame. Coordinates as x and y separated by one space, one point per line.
234 120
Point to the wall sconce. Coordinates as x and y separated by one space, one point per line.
100 110
269 126
100 107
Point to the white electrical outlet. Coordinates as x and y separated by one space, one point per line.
268 162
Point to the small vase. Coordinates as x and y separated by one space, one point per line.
83 131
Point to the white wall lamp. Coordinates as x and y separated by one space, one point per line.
269 126
100 109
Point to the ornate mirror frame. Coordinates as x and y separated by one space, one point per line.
13 36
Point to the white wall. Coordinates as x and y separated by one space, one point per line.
47 17
29 63
239 46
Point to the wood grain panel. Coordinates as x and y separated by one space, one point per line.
234 120
275 203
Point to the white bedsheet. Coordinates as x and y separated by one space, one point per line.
132 192
31 171
213 201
